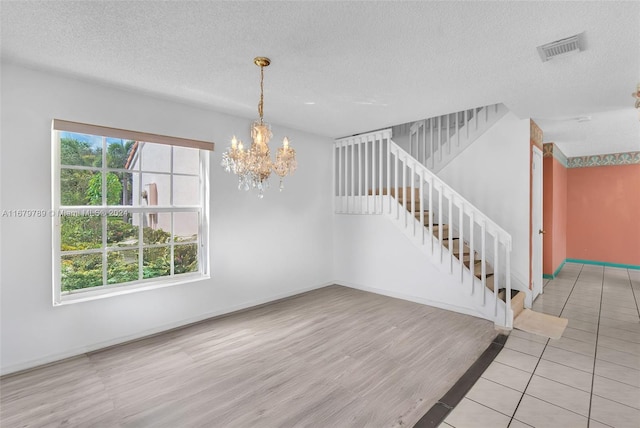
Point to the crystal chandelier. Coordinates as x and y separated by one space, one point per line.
253 166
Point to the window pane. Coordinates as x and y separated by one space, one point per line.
185 258
122 266
186 160
121 232
80 232
156 262
185 227
155 157
157 228
156 190
80 187
186 190
118 151
80 149
81 271
122 193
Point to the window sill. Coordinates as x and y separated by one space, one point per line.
119 290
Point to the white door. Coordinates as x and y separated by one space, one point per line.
536 220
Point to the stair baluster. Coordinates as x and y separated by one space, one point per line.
364 192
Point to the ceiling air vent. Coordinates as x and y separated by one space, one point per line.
561 47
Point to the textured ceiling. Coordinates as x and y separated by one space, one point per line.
341 68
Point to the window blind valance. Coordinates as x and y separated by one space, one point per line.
84 128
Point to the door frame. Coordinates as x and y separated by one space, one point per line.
537 232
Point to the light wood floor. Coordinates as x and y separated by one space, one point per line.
333 357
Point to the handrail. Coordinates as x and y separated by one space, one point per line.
374 175
450 190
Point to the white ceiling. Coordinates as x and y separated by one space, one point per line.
341 68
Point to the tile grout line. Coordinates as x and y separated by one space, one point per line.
595 354
615 401
543 349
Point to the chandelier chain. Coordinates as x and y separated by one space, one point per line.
261 103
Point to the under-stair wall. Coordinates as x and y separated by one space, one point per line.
371 255
493 174
469 254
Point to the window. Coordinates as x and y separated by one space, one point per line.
130 211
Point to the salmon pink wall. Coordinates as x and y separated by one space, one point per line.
603 214
554 215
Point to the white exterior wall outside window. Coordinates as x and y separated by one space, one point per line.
128 214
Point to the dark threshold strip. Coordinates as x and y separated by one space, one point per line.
441 409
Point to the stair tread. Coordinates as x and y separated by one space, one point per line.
466 251
478 268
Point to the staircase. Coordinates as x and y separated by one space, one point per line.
438 140
375 176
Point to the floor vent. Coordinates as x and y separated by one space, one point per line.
561 47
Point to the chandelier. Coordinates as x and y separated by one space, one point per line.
253 166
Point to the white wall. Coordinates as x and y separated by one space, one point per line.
372 254
493 174
260 249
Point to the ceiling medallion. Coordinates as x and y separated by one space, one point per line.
253 166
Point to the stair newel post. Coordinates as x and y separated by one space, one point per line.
424 142
440 209
388 153
440 146
466 121
421 176
472 266
413 196
395 183
374 174
449 134
508 312
343 173
496 273
404 189
432 122
475 113
360 189
461 241
458 129
369 140
486 114
353 176
431 212
450 197
336 173
483 262
344 177
366 174
412 137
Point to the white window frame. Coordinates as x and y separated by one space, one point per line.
107 290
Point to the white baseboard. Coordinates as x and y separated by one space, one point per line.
412 298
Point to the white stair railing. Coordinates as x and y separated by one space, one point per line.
438 140
373 175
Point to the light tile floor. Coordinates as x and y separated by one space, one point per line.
588 378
